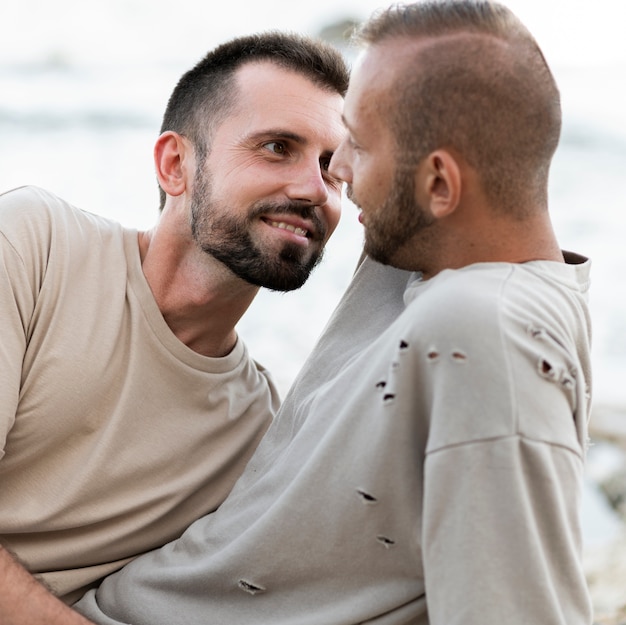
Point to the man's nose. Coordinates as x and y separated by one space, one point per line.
308 185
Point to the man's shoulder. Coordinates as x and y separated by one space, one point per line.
30 205
493 284
457 295
30 211
479 299
28 197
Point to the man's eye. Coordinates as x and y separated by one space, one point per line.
324 163
275 146
353 144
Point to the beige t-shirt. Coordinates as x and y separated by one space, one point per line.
114 435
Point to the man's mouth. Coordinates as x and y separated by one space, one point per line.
283 226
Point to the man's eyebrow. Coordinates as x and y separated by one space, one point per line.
278 133
349 128
345 122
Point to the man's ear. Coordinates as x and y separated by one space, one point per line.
170 152
438 183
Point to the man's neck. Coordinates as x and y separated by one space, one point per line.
200 300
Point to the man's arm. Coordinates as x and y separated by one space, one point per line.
501 536
24 601
504 466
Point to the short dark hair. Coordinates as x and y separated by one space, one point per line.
206 94
482 86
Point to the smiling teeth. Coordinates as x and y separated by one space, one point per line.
281 224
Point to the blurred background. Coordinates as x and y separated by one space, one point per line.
83 85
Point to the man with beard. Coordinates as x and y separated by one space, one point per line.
426 466
129 406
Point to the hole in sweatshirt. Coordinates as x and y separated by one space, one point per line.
459 356
381 384
252 589
366 497
433 354
546 370
386 542
404 345
388 398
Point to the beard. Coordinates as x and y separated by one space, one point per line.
227 238
399 219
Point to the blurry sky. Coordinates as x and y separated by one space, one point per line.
574 34
570 31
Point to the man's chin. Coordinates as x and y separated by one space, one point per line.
286 274
376 252
285 282
292 275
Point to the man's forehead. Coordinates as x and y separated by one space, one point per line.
263 75
372 77
273 100
248 71
388 57
266 77
381 68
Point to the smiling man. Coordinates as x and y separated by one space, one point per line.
256 145
128 405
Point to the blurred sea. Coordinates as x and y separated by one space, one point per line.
83 85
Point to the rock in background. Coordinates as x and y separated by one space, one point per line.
605 560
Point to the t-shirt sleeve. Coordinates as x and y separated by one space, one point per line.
18 288
501 537
503 473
